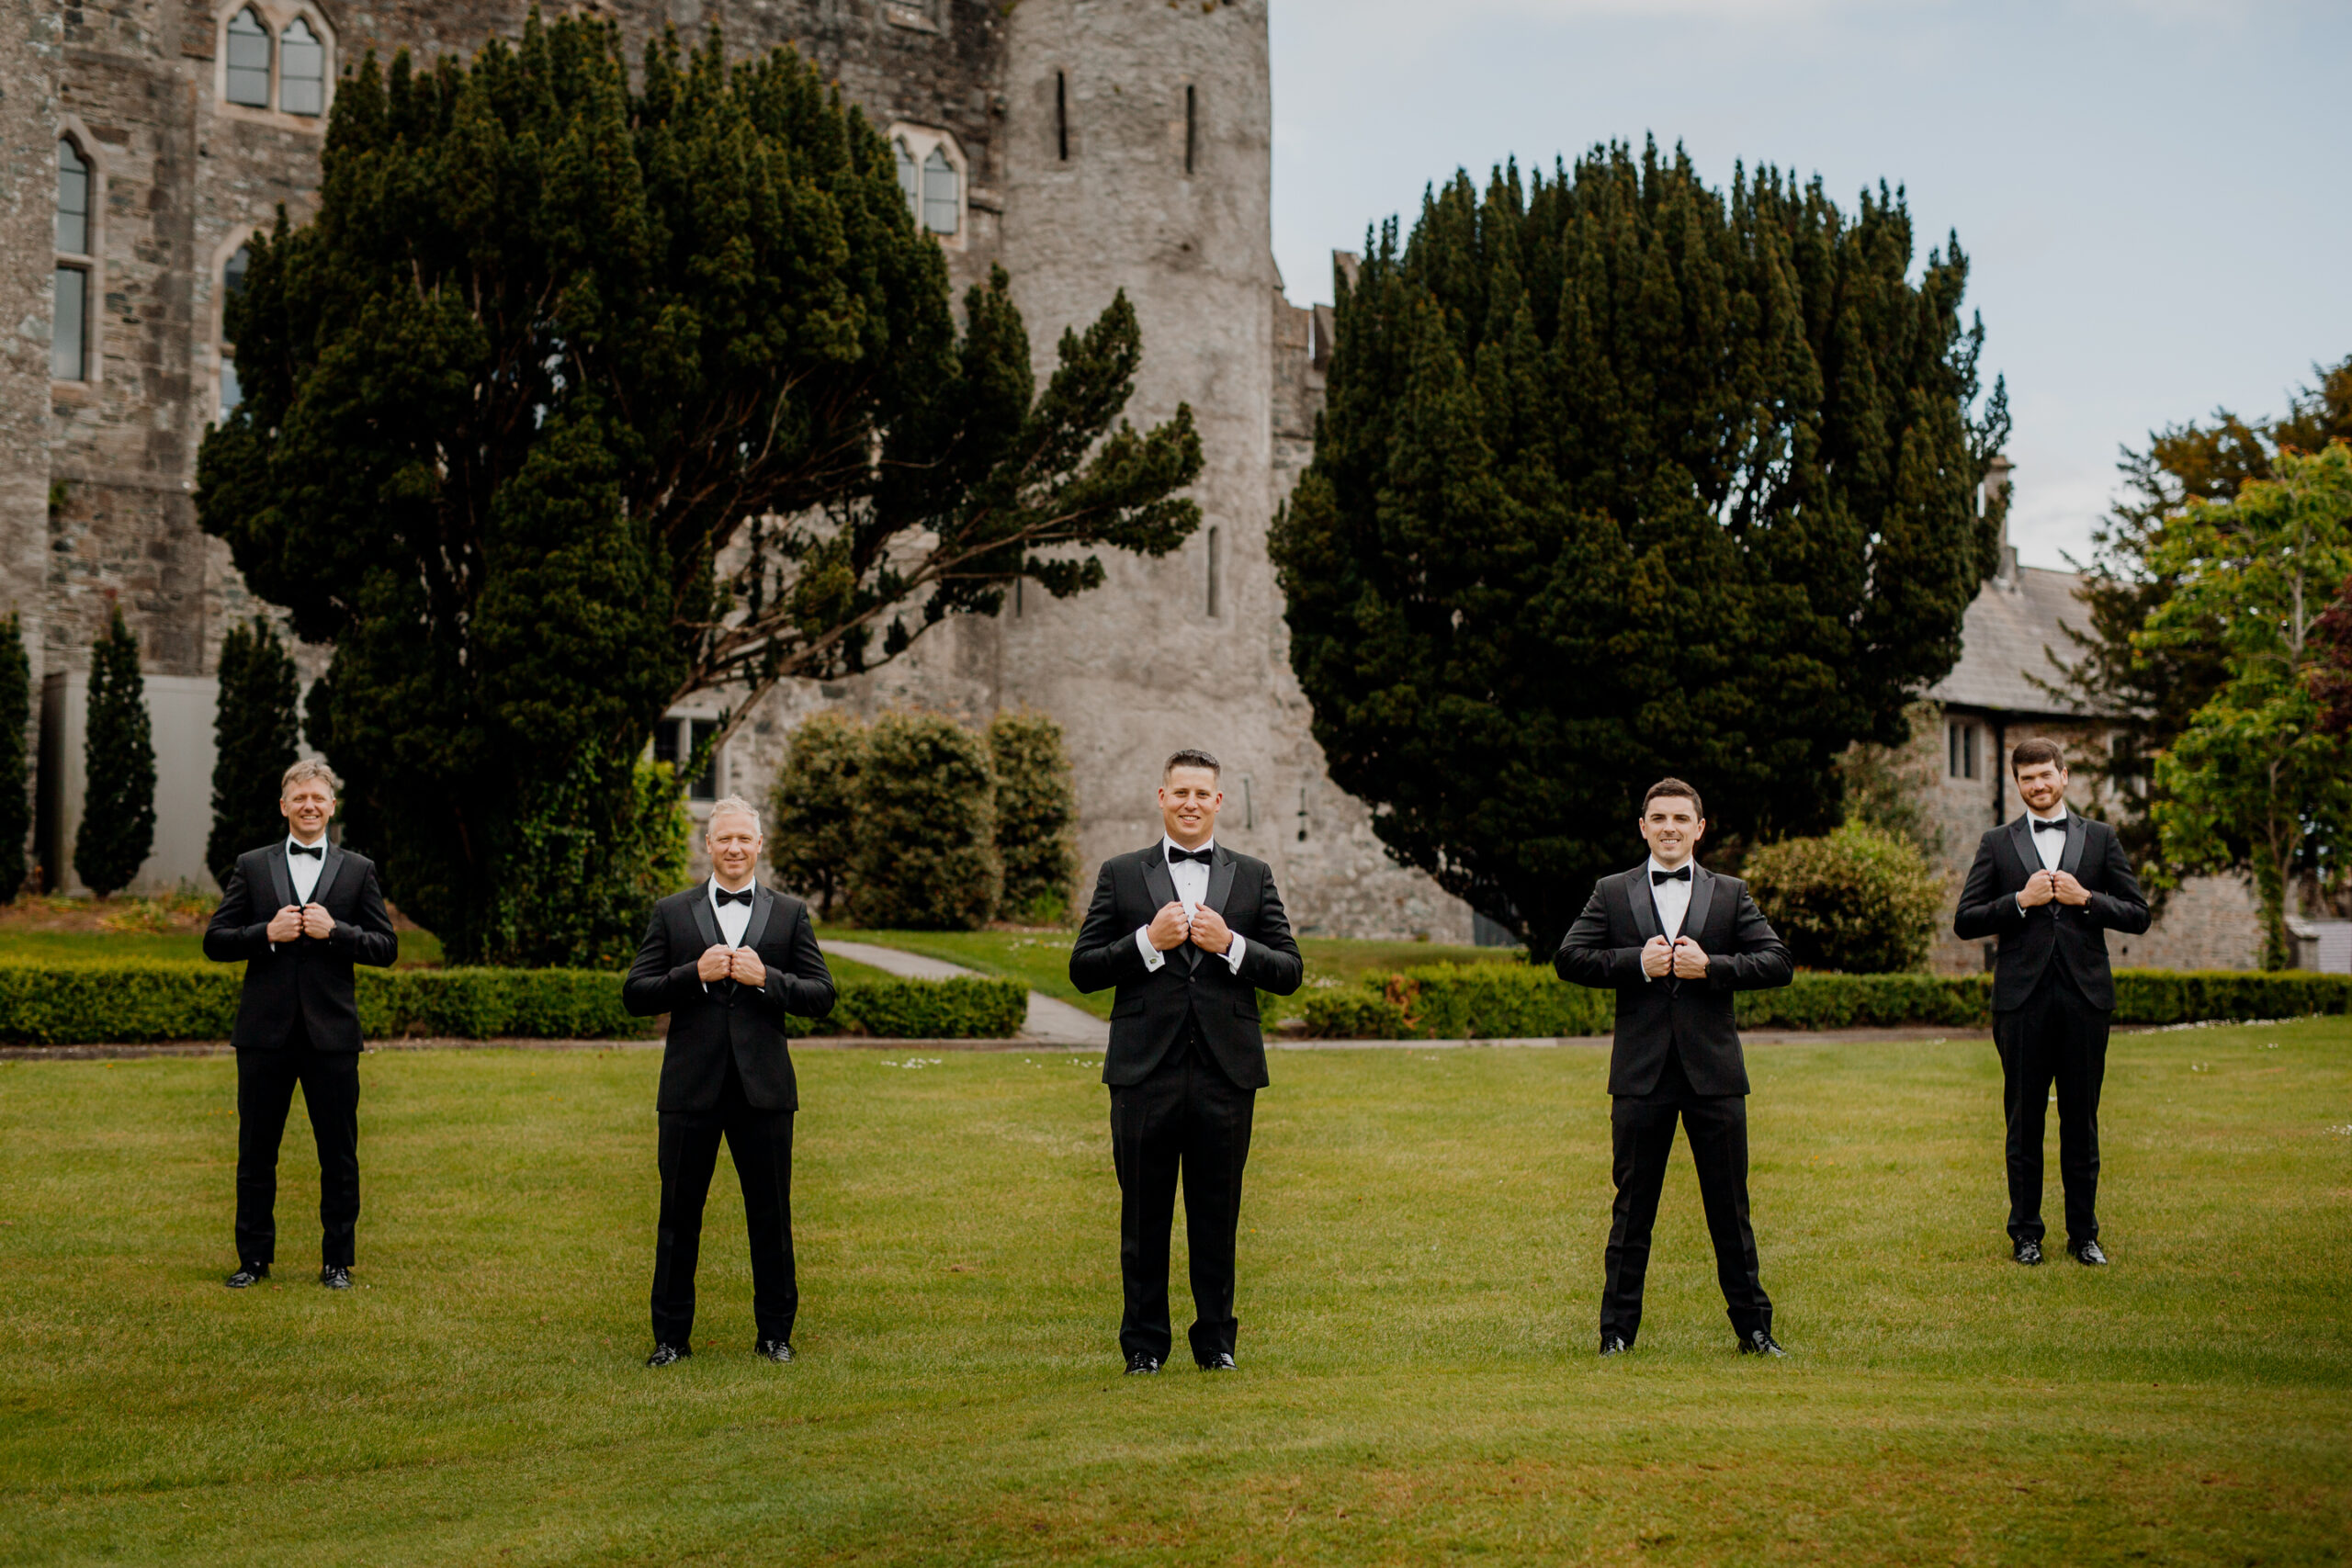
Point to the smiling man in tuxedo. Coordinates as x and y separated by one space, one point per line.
727 959
2051 885
300 914
1189 931
1676 942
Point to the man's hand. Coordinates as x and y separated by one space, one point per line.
1658 957
2038 889
2069 891
285 925
317 922
1210 933
745 969
1690 959
715 962
1169 927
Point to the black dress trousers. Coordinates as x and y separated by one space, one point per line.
1186 1122
330 1081
761 1142
1642 1129
2056 1038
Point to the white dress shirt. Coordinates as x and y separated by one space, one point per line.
302 871
1192 879
2051 847
1672 898
732 917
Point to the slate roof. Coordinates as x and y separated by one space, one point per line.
2003 638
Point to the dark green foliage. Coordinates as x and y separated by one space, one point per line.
588 863
1861 900
814 836
117 827
1621 477
1458 1001
926 827
253 743
16 787
1037 815
1889 787
80 1004
2332 682
550 349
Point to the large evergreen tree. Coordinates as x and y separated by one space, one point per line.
1037 815
252 743
1620 475
575 399
16 716
118 829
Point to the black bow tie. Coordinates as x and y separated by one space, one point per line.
316 852
725 897
2041 827
1680 874
1206 856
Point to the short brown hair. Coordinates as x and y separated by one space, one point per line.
1674 787
2033 753
306 770
1191 757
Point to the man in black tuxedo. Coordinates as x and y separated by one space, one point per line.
2051 884
727 959
1190 932
1675 942
300 914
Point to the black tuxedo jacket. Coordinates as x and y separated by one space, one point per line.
707 1025
309 977
2032 939
1744 954
1149 1013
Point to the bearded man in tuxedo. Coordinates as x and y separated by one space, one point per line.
1677 943
300 914
727 960
2051 885
1189 931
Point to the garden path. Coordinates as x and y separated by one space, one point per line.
1050 1019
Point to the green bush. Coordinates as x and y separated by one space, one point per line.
119 766
1036 810
599 844
1861 900
926 827
1459 1001
76 1004
814 836
1868 1001
252 744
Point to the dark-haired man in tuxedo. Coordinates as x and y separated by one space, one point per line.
1676 942
300 914
2051 885
1190 932
727 959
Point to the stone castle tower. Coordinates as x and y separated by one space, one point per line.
1087 145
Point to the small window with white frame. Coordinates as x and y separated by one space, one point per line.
1962 742
676 739
73 319
932 175
275 63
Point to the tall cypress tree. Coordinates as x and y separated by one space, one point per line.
16 713
252 743
1620 475
119 766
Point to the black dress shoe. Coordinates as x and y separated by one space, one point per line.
2029 1252
336 1276
1220 1362
776 1351
1759 1343
1142 1366
2087 1254
1613 1344
247 1274
667 1355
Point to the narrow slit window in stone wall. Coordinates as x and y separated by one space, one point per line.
232 282
1213 581
940 203
69 348
248 60
1061 116
1191 125
301 70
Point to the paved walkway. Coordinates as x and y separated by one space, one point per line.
1050 1021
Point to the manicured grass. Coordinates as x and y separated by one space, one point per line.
1420 1261
1040 959
71 947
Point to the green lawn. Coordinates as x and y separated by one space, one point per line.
1040 959
1420 1258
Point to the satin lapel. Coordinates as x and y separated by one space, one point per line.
330 867
705 920
1638 892
1220 880
2070 858
1156 880
760 904
280 883
1702 893
2021 845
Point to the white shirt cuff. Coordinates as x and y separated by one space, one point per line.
1152 957
1233 954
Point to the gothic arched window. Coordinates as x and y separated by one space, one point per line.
909 179
248 60
940 204
69 338
301 70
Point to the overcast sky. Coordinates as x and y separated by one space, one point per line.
2153 193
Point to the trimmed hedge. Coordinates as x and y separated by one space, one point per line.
1489 1001
77 1004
